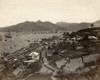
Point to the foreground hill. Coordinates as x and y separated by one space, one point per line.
74 56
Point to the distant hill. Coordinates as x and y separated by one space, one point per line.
33 26
48 26
74 26
77 26
97 23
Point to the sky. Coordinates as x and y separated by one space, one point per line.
16 11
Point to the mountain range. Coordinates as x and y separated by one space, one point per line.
48 26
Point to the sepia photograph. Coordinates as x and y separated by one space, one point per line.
49 39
